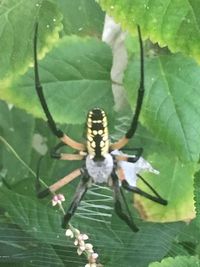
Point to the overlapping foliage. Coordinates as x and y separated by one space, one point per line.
75 70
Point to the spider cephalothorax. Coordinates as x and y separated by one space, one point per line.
102 160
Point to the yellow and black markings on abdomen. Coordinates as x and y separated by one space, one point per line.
97 134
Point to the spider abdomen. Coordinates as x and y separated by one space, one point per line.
100 171
97 134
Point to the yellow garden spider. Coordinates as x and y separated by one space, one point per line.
101 158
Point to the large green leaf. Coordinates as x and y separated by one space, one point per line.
174 183
172 23
82 17
42 222
46 241
190 238
181 261
17 20
18 247
141 248
75 76
172 101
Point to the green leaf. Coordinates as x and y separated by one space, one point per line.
40 221
181 261
80 80
17 22
19 247
142 247
175 24
189 239
174 183
114 242
43 224
172 101
152 245
82 17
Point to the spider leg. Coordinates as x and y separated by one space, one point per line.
42 193
157 198
128 158
150 187
57 132
130 133
78 196
132 159
64 156
118 198
54 151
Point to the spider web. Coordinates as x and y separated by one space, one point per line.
31 234
35 237
115 243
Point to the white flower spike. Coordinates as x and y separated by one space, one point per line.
69 233
83 247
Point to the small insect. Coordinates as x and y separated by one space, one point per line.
101 159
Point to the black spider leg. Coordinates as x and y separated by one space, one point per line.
118 198
140 96
54 151
55 154
137 155
129 158
40 93
78 196
38 187
126 205
157 198
153 190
